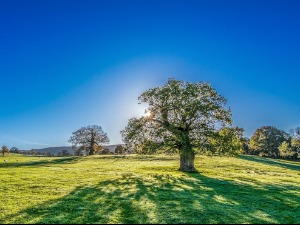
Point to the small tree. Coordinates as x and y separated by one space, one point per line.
88 138
120 150
65 153
4 150
32 152
78 150
181 116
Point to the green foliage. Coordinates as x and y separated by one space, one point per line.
148 189
120 150
287 151
149 147
266 141
296 144
226 142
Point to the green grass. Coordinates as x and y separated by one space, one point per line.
148 189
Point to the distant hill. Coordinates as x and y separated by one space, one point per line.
56 150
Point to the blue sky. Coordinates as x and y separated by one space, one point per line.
68 64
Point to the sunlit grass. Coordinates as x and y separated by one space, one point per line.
148 189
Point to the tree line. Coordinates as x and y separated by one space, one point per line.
63 153
5 150
187 118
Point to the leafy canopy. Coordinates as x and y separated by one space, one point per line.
4 149
90 138
266 141
179 115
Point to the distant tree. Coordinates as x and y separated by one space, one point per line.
65 153
4 150
266 141
227 141
120 150
246 143
181 116
89 139
78 150
32 152
14 150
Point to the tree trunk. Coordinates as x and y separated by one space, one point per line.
187 161
91 152
187 155
92 143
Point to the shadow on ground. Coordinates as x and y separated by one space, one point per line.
142 157
272 162
63 160
192 198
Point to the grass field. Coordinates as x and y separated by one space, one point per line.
148 189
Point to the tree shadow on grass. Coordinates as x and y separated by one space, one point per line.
272 162
153 158
40 162
192 199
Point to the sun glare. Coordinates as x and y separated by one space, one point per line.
148 114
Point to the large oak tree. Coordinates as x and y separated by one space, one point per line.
180 116
90 138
